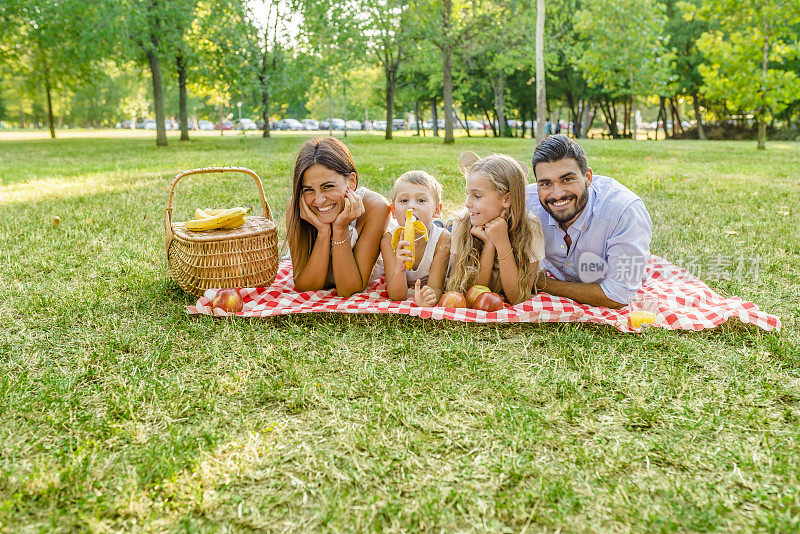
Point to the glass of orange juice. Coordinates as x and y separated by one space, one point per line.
642 311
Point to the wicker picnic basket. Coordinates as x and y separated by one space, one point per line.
240 257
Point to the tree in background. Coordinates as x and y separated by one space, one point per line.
564 47
505 48
55 44
747 53
221 38
448 24
334 34
387 28
541 94
628 55
420 81
683 36
154 35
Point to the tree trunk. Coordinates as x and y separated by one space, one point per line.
541 97
330 113
435 116
265 111
762 125
344 96
416 115
183 116
698 118
499 90
158 95
447 87
390 85
610 116
466 123
491 123
677 127
49 100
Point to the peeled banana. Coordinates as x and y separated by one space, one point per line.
408 233
217 219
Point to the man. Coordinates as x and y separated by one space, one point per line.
597 232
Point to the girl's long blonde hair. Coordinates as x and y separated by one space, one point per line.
507 175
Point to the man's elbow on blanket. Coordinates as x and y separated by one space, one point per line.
618 292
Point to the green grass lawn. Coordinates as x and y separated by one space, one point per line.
118 411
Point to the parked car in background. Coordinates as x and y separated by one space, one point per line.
226 125
205 125
439 123
293 125
129 124
170 124
379 126
323 125
475 125
353 125
398 124
148 124
338 124
245 124
310 124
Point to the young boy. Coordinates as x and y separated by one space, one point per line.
421 193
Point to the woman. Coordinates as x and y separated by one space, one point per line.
334 227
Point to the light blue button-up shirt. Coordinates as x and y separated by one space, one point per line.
610 239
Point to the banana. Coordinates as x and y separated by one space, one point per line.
409 233
207 213
223 219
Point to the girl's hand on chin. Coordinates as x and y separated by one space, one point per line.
497 229
480 233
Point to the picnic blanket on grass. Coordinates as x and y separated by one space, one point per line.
684 303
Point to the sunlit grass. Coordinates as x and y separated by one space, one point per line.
120 412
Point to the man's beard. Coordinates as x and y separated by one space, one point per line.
565 216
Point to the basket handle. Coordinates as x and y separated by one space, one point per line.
168 216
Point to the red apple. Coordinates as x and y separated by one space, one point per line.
472 294
452 299
489 302
229 300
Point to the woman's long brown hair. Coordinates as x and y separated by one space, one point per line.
331 154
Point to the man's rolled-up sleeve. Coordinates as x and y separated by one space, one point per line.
628 252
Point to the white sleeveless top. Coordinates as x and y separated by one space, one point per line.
423 270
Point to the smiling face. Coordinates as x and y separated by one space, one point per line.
563 189
417 198
323 190
484 202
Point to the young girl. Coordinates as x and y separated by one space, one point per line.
497 242
420 192
333 226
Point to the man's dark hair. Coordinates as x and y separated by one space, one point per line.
558 147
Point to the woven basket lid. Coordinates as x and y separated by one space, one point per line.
253 226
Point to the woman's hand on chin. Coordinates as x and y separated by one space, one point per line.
352 210
309 216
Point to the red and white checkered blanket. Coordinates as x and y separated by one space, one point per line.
684 303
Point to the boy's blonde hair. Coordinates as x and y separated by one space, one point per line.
420 178
507 176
